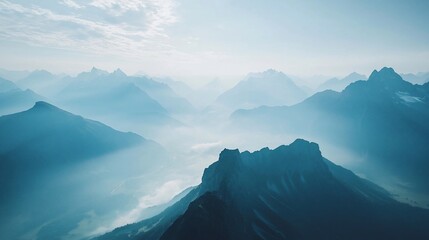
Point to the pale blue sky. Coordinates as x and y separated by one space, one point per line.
215 38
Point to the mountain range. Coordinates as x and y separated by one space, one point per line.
200 97
120 100
419 78
64 176
383 120
167 97
14 99
158 91
339 84
270 88
43 82
291 192
13 75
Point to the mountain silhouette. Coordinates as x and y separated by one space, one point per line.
339 84
45 137
291 192
270 88
419 78
384 120
166 96
43 82
120 100
26 133
13 99
13 75
55 167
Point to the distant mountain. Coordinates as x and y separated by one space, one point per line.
383 121
116 99
6 85
46 136
43 82
13 99
158 91
161 92
13 75
339 84
290 192
93 74
57 167
125 98
269 88
37 75
181 88
200 97
419 78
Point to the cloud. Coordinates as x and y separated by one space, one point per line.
72 4
203 147
162 195
100 26
118 7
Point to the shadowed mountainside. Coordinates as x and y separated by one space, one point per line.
290 192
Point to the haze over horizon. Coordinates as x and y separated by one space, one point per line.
192 40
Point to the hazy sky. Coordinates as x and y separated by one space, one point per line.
215 37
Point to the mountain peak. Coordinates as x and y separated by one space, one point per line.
219 172
301 156
299 142
97 71
94 69
385 74
119 73
273 73
229 153
229 159
270 71
42 105
387 69
40 71
40 74
354 76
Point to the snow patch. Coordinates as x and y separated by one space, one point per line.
407 98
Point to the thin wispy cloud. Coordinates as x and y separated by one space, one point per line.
161 195
72 4
95 26
119 7
191 39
